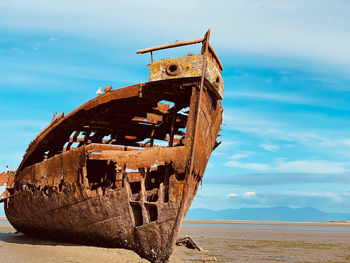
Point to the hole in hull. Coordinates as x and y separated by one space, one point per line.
152 198
137 211
152 212
135 187
180 176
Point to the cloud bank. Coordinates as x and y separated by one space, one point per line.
317 30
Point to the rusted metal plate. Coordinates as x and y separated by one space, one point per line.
124 93
122 169
149 157
188 66
3 178
209 121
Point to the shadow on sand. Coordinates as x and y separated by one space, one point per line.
23 239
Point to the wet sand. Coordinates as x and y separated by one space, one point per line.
230 244
222 244
284 223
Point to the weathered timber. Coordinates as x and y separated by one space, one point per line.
122 169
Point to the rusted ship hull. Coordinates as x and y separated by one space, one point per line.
118 188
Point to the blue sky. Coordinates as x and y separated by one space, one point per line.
286 133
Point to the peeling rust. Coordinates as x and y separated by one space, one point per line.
189 243
122 169
3 178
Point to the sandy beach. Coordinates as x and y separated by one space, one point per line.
223 242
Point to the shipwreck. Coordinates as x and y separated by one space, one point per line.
122 169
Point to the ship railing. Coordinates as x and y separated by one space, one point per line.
184 43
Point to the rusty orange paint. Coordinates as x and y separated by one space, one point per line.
122 169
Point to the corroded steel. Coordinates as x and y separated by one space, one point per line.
179 44
189 66
189 243
3 178
122 169
175 44
215 56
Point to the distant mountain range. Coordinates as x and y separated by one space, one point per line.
279 213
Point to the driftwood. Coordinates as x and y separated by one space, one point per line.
189 243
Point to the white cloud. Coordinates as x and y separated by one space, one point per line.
50 73
253 123
269 147
280 178
293 28
311 166
232 195
218 154
335 197
328 142
239 156
306 132
326 201
249 195
228 143
296 166
249 166
16 124
286 98
224 146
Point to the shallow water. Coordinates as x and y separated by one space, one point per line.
253 226
257 226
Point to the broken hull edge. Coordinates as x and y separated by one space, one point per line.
101 220
108 220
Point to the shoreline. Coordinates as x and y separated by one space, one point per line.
222 243
251 222
287 223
